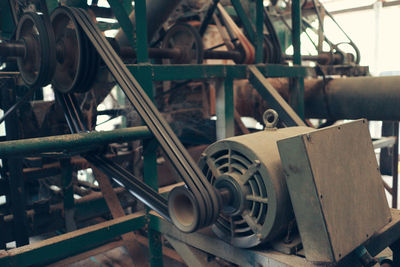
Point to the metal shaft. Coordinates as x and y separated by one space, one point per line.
12 49
323 59
129 52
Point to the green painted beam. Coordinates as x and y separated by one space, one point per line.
71 142
71 243
123 20
187 72
51 5
141 31
6 19
297 90
244 18
259 41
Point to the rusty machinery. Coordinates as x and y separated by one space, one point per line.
246 187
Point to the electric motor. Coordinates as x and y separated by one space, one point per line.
247 171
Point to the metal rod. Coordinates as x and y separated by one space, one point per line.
323 58
12 49
207 18
32 146
395 166
129 52
234 55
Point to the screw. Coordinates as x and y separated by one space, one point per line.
308 137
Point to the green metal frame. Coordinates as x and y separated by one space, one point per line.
77 241
71 243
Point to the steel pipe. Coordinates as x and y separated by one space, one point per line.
71 142
373 98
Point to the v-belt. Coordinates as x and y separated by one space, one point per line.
204 194
137 188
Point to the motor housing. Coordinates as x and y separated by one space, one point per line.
247 170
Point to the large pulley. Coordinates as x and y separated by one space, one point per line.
77 59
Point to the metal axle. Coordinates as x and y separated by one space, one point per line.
323 59
129 52
15 49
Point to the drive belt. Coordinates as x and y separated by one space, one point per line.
136 187
202 191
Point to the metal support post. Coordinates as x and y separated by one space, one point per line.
260 30
149 147
141 32
150 178
388 159
244 18
297 89
16 177
225 108
68 191
395 166
7 21
121 14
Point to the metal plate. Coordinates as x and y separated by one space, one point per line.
335 188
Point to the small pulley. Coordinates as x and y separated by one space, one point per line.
187 40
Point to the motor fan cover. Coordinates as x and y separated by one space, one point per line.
250 167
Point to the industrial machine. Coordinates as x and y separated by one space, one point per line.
288 195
